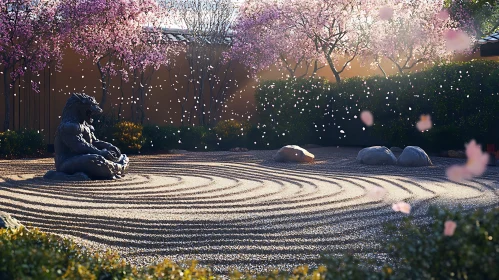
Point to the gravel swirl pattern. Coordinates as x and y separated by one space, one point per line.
235 210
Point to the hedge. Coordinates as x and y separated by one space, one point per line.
23 143
414 250
462 99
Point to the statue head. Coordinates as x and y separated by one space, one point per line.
81 107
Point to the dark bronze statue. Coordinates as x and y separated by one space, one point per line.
77 150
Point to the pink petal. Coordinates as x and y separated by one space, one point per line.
449 228
443 15
457 173
376 192
386 13
367 118
402 207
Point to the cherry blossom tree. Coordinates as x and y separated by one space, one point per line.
411 32
333 32
478 17
264 39
151 52
110 31
30 38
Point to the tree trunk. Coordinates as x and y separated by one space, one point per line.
381 68
6 92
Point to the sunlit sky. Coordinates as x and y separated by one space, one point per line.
179 24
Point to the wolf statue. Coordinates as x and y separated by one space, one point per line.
77 150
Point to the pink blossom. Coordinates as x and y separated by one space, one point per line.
457 40
477 160
367 118
402 207
475 165
413 35
424 123
449 228
457 173
443 15
376 192
386 13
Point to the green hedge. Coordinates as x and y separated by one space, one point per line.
414 251
24 143
462 99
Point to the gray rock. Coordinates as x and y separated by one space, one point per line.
414 156
396 149
6 221
377 155
293 153
54 175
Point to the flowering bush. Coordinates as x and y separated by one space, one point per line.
128 136
25 143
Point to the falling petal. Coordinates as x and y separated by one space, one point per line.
449 228
367 118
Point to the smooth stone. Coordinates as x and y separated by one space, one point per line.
293 153
6 221
61 176
376 155
414 156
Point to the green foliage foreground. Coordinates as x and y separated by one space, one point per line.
414 251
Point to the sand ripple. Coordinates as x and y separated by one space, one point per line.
235 209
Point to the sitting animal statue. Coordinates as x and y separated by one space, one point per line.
76 147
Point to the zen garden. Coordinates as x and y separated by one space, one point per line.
249 139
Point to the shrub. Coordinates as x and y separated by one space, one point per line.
462 99
161 138
25 143
128 136
195 138
424 252
289 111
231 134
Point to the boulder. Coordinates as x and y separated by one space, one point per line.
61 176
294 154
6 221
413 156
396 149
456 154
377 155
